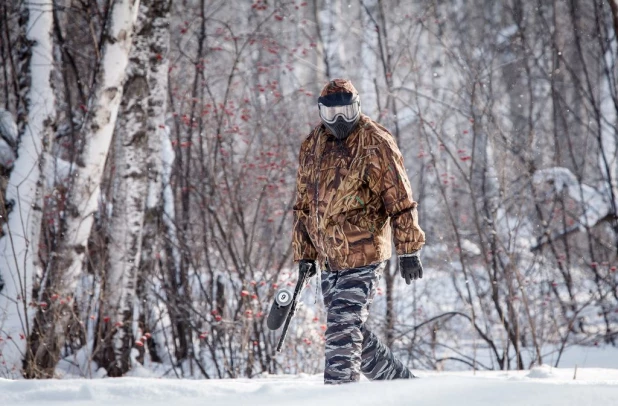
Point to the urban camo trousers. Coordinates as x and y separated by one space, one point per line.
351 348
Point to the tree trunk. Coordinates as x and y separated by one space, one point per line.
613 4
133 157
157 108
608 99
369 59
49 332
329 23
20 242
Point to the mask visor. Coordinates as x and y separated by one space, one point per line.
349 113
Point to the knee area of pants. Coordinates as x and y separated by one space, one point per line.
346 306
342 335
344 321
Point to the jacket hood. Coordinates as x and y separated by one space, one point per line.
337 86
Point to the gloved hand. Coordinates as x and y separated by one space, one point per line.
410 266
308 266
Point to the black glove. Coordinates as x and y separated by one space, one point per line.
410 266
308 266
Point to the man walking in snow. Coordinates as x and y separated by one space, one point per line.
352 196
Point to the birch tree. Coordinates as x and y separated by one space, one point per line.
608 115
49 332
19 243
329 24
137 153
369 60
159 43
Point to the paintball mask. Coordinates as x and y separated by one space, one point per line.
339 106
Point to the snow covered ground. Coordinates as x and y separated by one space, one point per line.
539 386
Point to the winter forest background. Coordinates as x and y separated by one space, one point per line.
147 168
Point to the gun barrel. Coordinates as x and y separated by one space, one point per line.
302 278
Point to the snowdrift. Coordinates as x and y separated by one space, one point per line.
539 386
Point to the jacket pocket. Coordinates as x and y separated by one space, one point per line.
350 246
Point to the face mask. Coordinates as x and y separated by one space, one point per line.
341 128
340 113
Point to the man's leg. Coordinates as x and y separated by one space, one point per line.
378 362
347 295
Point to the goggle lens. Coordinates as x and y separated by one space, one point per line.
349 112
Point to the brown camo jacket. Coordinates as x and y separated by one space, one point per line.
361 191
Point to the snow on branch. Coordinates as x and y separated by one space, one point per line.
8 139
594 204
8 128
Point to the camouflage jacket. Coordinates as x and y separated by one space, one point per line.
351 196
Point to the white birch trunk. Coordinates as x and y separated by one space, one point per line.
158 84
369 60
98 130
129 203
137 158
19 244
49 332
330 22
608 158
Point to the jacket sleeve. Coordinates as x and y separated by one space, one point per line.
391 183
301 242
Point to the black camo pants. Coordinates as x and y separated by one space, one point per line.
351 348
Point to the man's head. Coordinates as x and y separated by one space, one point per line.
339 106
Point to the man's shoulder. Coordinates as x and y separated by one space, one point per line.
309 140
375 134
313 134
